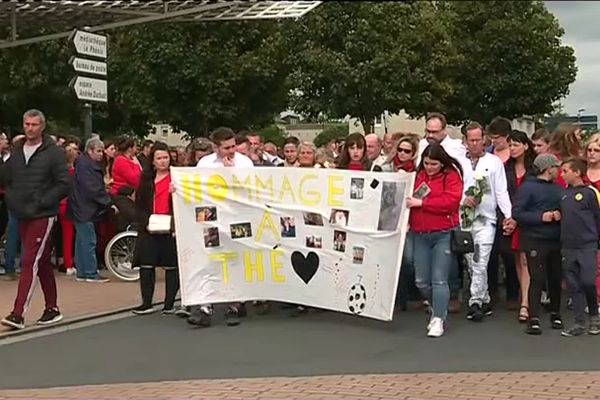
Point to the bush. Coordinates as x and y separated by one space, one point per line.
331 132
273 134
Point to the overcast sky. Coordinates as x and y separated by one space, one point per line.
579 19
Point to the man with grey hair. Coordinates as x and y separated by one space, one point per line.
88 203
36 179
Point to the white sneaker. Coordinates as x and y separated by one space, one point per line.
71 271
436 328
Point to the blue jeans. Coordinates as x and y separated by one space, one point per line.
12 243
85 250
433 261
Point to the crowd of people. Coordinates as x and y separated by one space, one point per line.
525 203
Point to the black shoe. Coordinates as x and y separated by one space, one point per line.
232 316
533 327
183 312
143 310
475 313
199 318
50 316
13 321
594 328
242 313
487 309
575 330
556 321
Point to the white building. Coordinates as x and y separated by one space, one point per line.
164 133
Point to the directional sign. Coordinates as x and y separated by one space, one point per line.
90 44
90 89
88 66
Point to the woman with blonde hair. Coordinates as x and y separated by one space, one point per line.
592 155
307 155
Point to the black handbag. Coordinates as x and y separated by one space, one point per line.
461 242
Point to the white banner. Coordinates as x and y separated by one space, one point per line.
325 238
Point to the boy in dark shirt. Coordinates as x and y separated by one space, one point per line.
580 229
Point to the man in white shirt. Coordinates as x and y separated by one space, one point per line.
486 173
374 146
225 155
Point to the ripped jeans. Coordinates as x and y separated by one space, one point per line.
433 260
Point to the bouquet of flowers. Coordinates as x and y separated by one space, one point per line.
468 214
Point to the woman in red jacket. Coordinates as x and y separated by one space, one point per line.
126 169
433 216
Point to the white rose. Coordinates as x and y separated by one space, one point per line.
478 176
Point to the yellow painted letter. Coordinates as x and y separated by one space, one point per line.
267 221
286 186
217 187
264 189
256 267
238 186
315 197
224 258
335 190
276 265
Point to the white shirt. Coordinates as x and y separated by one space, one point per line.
491 167
456 150
213 161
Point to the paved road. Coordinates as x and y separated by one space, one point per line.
157 348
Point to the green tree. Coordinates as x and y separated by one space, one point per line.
511 59
361 58
198 77
331 132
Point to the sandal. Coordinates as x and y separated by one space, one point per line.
523 316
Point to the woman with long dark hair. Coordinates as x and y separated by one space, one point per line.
519 165
354 154
155 249
433 217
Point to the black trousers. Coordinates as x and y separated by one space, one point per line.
581 268
500 249
544 265
147 283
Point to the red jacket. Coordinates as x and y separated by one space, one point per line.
125 172
440 208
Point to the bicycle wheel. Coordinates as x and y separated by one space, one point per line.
118 256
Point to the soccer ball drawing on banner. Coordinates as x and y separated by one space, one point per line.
357 297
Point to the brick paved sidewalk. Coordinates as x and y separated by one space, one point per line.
78 300
462 386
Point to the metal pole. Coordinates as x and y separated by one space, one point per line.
87 121
13 23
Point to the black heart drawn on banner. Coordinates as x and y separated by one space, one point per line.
305 267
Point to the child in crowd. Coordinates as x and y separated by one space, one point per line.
580 233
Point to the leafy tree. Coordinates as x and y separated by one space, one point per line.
331 132
511 59
361 58
198 77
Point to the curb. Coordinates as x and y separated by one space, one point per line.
60 324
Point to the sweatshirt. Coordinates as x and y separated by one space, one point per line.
580 218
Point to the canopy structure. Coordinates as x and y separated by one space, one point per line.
59 18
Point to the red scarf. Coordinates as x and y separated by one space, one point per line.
355 166
408 166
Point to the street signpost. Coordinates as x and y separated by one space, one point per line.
89 89
88 66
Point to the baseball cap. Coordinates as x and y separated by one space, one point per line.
545 161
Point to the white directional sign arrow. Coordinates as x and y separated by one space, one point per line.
88 66
90 89
90 44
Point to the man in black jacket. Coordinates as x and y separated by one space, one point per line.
36 179
88 203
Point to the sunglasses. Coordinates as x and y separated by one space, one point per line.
405 151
